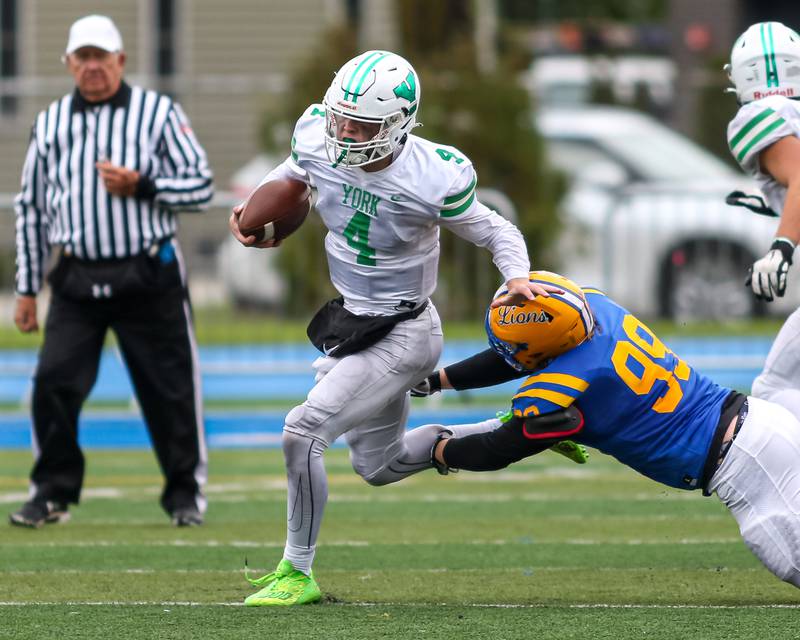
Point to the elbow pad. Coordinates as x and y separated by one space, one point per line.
553 426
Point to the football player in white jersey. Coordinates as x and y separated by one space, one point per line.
764 137
382 193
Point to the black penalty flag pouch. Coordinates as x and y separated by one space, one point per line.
338 333
142 274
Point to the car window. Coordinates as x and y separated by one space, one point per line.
573 157
661 154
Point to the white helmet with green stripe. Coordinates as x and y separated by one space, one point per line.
376 87
765 61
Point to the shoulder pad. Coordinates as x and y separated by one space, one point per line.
756 126
308 139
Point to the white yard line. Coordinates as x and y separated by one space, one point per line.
536 605
522 540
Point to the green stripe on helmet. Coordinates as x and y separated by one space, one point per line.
772 58
348 91
366 73
749 127
768 48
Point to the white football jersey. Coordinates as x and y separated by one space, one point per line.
383 226
756 126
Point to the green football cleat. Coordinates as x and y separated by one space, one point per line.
572 450
284 567
284 587
504 416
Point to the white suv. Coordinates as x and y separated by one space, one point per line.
645 217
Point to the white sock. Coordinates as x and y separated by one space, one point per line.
300 557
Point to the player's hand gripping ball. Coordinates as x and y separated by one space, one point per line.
275 210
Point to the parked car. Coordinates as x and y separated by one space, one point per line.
644 218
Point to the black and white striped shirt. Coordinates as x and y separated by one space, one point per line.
63 200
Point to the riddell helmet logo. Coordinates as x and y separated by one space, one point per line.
789 93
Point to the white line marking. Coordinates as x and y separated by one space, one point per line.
476 605
522 540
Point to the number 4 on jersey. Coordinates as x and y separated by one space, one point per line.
357 234
446 155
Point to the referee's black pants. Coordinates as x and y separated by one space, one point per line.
156 339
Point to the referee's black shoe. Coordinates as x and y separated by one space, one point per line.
187 517
37 512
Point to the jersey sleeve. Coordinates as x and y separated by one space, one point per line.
462 213
555 387
460 198
756 126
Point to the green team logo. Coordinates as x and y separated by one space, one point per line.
360 200
365 205
408 89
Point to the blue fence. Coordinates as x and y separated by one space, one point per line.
282 373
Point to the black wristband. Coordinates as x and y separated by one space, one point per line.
434 382
145 188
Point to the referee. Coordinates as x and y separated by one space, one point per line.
107 168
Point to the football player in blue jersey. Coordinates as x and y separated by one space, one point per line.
597 375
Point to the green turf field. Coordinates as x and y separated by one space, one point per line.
545 550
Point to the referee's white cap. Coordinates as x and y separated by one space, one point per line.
94 31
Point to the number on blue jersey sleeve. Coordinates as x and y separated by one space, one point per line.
546 392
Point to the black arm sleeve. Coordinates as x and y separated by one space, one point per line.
492 450
516 439
484 369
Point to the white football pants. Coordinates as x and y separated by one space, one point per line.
365 396
780 380
759 481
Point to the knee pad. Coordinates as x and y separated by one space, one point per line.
298 447
400 458
303 419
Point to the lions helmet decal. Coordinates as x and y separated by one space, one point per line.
531 334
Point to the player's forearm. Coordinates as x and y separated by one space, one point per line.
485 228
484 369
789 226
488 451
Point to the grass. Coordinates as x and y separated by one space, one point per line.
543 550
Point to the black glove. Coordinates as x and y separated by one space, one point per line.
767 276
427 387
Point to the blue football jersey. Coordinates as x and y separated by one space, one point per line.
641 403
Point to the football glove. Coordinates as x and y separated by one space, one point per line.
427 387
767 276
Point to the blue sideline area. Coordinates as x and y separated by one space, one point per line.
283 372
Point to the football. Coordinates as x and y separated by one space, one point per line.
275 209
